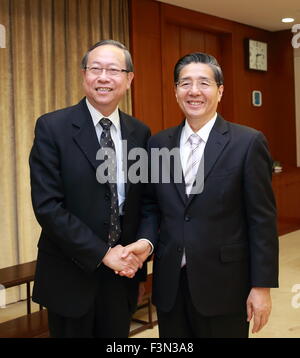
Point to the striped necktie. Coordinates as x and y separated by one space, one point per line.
192 162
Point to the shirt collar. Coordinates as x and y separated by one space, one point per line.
96 116
203 132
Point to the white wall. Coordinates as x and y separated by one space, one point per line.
297 98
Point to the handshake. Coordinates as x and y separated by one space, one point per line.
126 260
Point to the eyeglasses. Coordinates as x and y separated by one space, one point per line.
202 84
112 72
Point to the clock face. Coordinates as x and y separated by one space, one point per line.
258 55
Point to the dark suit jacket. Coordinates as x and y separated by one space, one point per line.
228 231
73 208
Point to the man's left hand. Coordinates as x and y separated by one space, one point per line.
259 305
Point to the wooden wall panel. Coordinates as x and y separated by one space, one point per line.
282 100
228 98
192 19
171 46
239 81
161 33
191 40
179 40
213 46
146 53
245 81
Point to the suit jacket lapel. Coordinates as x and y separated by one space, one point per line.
217 141
174 142
127 132
86 138
85 134
215 145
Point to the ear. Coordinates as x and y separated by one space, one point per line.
83 73
175 91
130 76
220 92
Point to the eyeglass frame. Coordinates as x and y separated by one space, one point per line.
190 83
117 71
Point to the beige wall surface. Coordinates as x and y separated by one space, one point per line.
297 99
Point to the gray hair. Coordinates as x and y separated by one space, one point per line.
128 59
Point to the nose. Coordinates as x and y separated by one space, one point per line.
195 88
103 75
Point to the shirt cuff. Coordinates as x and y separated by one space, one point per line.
149 242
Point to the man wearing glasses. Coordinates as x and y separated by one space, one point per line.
87 216
214 233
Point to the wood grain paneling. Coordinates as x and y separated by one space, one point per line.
162 33
146 52
282 102
191 40
178 41
170 54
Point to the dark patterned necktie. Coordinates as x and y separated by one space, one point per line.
107 142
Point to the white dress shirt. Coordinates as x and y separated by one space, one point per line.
115 131
185 149
185 146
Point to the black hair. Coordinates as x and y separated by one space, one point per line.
199 57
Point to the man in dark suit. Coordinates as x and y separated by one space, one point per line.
216 244
85 221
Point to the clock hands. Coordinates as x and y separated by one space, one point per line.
257 58
257 52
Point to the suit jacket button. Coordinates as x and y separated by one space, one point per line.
187 218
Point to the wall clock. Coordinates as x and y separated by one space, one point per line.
257 55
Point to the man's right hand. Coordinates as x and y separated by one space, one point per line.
140 249
115 260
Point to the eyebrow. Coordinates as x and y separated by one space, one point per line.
198 78
107 64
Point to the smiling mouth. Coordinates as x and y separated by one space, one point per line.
103 89
195 103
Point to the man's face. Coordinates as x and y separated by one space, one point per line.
104 91
198 101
